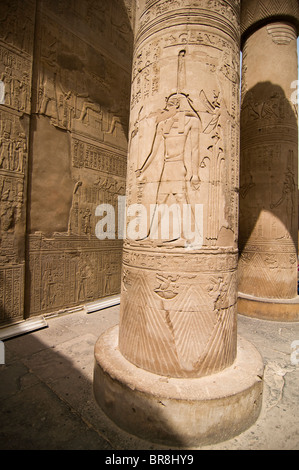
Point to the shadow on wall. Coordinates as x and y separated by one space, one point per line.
81 90
11 300
268 180
77 155
46 394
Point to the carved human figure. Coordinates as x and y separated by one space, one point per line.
21 149
7 211
288 193
268 168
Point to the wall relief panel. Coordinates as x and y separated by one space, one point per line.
269 160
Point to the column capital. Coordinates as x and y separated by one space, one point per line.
256 13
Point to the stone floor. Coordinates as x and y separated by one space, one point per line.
47 400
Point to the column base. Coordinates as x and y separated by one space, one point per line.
269 309
178 412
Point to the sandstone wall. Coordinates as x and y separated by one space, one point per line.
65 85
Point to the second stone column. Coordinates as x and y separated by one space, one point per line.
269 167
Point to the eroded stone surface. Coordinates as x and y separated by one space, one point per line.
178 304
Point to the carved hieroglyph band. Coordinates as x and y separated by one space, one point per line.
178 312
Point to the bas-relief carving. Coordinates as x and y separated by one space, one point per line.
281 33
17 24
268 221
269 163
253 11
13 165
74 267
204 115
102 186
178 307
67 271
82 91
175 303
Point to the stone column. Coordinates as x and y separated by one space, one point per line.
269 163
179 289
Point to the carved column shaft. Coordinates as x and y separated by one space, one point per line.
178 304
269 161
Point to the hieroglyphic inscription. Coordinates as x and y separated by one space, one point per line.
17 24
15 74
162 8
13 164
215 106
146 69
78 84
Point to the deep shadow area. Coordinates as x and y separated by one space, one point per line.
65 81
268 177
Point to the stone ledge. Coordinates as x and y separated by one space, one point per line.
282 310
178 412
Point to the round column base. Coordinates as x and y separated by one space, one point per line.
269 309
178 412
